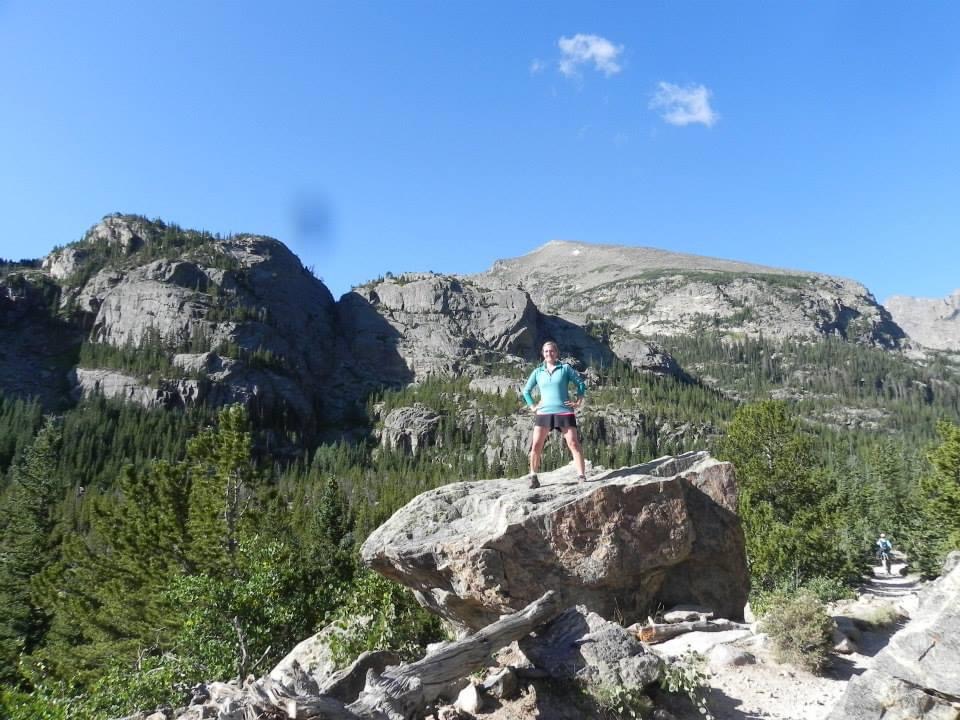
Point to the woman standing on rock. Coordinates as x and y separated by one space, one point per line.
555 410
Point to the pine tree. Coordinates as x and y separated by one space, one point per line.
785 503
29 512
937 500
106 595
223 482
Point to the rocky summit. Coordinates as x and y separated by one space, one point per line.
654 292
627 541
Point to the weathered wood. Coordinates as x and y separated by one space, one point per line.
269 699
400 691
658 632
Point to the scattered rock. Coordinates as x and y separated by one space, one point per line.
502 684
685 613
727 655
470 700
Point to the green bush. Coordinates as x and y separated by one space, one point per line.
800 629
156 681
876 617
829 589
686 675
19 705
619 702
392 621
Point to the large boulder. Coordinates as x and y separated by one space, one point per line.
662 533
915 675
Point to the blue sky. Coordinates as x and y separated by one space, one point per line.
404 135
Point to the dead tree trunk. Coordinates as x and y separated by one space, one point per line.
401 691
659 632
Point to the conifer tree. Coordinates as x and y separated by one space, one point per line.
785 504
938 500
28 518
222 487
106 594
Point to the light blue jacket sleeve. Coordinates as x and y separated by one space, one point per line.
528 388
577 379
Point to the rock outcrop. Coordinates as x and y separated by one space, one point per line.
664 532
915 675
410 428
932 322
580 645
433 324
655 292
36 346
239 318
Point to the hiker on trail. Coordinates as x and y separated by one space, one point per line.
555 409
883 544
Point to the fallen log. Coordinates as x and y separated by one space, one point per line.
399 692
658 632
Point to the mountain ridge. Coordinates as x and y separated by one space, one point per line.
168 317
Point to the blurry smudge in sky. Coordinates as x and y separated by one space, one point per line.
312 220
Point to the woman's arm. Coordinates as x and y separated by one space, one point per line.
528 389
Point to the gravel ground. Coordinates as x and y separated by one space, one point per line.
781 692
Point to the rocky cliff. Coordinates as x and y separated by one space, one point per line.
37 347
932 322
655 292
221 319
168 317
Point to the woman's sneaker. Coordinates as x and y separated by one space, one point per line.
533 481
581 478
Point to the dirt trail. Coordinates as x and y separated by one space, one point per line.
772 691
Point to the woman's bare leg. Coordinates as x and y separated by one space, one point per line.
536 447
572 437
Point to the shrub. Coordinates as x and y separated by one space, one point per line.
18 705
619 702
800 629
825 589
394 621
829 589
686 675
877 616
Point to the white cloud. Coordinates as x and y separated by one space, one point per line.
684 105
537 67
585 49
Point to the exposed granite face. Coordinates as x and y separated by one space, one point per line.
245 301
405 329
931 322
654 292
280 340
661 533
435 324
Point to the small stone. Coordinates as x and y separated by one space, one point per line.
502 684
470 700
